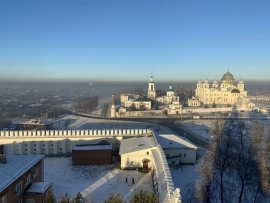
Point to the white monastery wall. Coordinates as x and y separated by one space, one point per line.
206 110
60 142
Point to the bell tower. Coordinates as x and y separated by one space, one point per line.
113 109
151 89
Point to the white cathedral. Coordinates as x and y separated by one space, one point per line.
224 94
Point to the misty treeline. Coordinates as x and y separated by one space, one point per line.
235 168
142 196
86 105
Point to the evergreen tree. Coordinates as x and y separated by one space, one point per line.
65 198
143 197
114 199
78 198
50 198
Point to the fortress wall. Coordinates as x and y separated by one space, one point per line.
206 110
60 142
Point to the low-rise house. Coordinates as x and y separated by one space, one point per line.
21 179
178 150
136 153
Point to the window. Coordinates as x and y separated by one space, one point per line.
131 163
168 155
28 178
180 155
4 199
18 188
173 162
36 171
147 153
185 156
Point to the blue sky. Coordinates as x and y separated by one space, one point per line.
128 40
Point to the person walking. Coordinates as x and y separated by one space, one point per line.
133 182
126 179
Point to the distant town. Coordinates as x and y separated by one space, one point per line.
127 142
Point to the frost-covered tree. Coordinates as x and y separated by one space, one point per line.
235 168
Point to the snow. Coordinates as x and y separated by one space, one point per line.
184 176
201 128
38 187
93 180
78 122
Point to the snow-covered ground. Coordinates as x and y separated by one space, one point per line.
183 176
77 122
199 127
96 181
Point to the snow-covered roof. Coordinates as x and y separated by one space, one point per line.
15 166
37 122
92 147
168 141
38 187
136 144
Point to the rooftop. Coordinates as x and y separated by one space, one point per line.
136 144
141 99
37 122
15 166
38 187
173 141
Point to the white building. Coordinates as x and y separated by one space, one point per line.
178 150
169 98
136 152
194 102
225 93
142 103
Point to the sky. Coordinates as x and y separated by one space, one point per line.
105 40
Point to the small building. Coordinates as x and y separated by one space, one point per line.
136 153
20 175
141 103
169 98
178 150
92 154
35 124
194 102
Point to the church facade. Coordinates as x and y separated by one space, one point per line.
169 98
225 93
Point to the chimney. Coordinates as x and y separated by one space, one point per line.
3 159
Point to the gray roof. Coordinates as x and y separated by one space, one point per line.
169 141
136 144
15 166
38 187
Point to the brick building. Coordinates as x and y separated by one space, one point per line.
92 154
21 179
